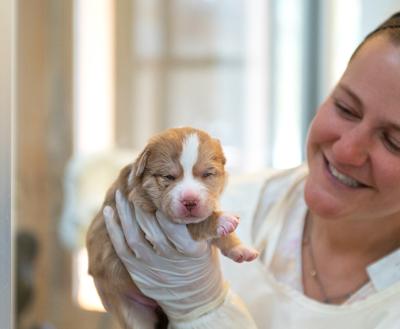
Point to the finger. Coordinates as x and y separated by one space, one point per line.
180 237
154 234
125 213
116 234
134 235
141 229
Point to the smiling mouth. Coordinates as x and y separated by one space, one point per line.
342 178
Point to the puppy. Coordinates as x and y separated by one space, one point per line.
181 172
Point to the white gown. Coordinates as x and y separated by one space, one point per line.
265 202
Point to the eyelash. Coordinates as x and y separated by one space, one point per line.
347 113
393 147
208 174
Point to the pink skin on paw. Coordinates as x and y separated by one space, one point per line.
227 224
241 253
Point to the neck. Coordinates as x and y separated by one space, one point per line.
371 239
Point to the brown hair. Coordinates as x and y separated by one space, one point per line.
390 28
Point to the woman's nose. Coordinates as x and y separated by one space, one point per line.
352 148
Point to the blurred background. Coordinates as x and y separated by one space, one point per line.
96 78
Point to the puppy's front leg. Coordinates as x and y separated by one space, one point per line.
232 247
220 227
217 225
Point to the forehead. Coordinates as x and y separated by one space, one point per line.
185 149
374 75
190 151
199 150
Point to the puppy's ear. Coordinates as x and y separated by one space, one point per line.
220 152
140 163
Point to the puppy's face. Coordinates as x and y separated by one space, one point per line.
182 172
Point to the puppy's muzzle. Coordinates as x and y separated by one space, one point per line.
190 204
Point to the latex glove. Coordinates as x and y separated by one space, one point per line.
166 264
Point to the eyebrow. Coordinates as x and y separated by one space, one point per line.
352 94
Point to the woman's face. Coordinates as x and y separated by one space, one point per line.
353 145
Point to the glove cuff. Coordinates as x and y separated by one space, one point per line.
230 314
203 309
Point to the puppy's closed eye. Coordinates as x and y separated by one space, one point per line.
209 174
169 177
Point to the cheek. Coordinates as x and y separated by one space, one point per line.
386 172
215 185
324 127
388 196
156 188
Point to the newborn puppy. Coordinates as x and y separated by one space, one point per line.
180 172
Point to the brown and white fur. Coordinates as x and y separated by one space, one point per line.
181 172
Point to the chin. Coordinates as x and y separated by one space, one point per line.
188 219
321 203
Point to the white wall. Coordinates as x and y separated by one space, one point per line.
375 12
344 24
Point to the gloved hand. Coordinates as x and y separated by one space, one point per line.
167 265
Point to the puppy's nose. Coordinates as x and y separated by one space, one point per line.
190 204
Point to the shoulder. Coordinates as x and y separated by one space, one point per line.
264 181
247 195
243 191
281 190
241 196
281 182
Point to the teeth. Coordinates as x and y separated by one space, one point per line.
346 180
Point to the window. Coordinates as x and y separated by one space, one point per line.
198 63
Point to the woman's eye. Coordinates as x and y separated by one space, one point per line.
345 111
391 144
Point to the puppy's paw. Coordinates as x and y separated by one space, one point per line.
241 253
227 223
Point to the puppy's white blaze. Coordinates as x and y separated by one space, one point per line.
190 150
188 159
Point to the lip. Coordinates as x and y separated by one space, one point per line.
337 181
183 216
187 219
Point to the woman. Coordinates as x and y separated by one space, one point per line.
328 233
